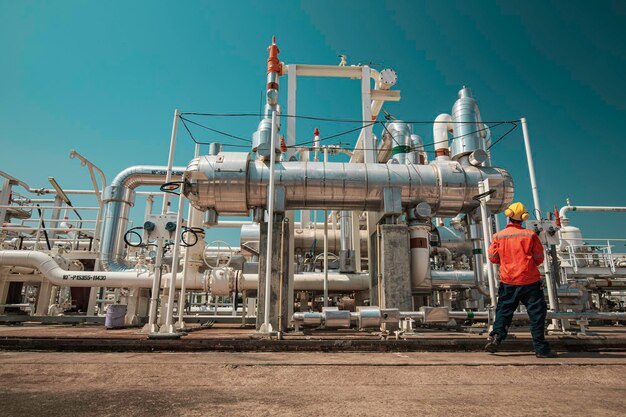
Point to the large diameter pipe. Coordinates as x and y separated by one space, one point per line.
315 282
420 256
118 198
304 239
400 133
232 184
50 269
441 128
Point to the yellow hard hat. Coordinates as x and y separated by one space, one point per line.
517 211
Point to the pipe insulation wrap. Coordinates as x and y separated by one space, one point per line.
232 184
118 198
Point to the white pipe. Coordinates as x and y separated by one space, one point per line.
315 282
441 128
420 256
484 220
51 270
170 161
191 215
325 243
538 214
169 314
531 169
232 224
266 327
607 209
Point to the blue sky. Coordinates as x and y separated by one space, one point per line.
105 77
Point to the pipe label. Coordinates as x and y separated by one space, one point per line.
164 172
78 277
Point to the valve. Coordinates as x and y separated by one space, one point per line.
149 226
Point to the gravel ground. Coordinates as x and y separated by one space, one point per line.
310 384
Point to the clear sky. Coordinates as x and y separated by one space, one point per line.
104 78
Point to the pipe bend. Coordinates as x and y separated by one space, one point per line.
133 177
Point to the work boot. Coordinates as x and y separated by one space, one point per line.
492 343
548 355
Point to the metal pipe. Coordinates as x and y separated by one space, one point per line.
234 185
400 134
538 214
325 242
314 282
170 161
531 169
152 326
484 220
118 197
191 215
607 209
169 314
441 128
266 327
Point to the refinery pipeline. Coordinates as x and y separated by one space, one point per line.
383 239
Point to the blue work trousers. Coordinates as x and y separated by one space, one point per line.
531 295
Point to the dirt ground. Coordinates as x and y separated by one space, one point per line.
311 384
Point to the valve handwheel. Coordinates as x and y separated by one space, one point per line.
227 250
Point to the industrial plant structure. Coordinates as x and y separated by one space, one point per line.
401 241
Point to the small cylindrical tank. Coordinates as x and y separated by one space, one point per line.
468 127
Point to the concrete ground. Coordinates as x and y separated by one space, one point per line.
311 384
225 337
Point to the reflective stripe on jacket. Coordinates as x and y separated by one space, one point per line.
518 251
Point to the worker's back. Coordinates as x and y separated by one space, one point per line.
518 251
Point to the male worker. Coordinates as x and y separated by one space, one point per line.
518 251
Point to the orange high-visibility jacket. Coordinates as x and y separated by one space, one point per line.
518 251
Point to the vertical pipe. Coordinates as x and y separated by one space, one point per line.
533 183
484 220
478 259
325 243
531 168
370 156
266 327
170 160
182 297
151 326
4 199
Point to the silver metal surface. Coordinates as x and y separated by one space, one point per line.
335 318
369 317
304 240
399 134
118 198
446 185
468 127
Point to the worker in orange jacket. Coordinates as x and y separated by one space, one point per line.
519 252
